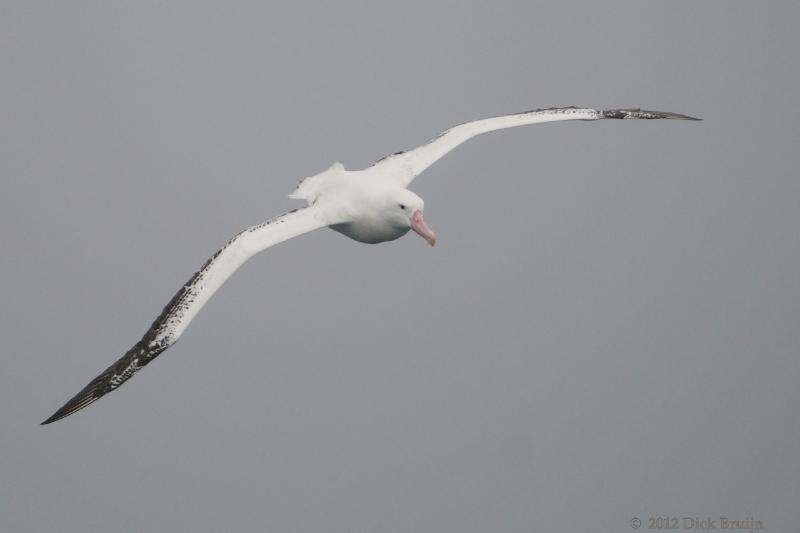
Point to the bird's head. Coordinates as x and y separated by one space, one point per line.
404 209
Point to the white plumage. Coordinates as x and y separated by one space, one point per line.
371 205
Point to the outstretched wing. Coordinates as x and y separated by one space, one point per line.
405 166
183 307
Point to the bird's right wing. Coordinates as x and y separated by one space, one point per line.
405 166
183 307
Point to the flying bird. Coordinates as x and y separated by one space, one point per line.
371 206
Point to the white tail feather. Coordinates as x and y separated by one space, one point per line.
310 188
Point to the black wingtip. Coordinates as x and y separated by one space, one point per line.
645 114
678 116
54 417
71 407
87 396
108 381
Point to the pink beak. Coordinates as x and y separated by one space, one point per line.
418 224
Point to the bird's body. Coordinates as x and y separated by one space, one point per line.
370 206
364 202
370 230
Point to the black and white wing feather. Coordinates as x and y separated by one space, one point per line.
183 307
405 166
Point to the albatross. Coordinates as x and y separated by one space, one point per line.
373 205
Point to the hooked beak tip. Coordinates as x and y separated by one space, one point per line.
420 227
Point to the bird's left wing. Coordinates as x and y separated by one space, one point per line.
405 166
183 307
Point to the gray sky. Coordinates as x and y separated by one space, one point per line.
607 329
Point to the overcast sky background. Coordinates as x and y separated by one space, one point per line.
607 328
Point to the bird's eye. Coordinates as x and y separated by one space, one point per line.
402 206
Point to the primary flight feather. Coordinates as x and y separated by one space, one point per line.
371 205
